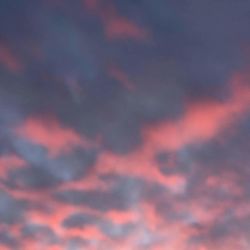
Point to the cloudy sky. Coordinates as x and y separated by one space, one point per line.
124 125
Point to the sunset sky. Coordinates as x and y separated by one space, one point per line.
125 125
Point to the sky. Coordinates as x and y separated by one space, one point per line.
124 125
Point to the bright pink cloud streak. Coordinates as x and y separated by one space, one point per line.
201 122
53 136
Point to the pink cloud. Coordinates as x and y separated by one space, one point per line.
115 26
122 28
121 217
8 60
226 182
10 162
202 121
52 135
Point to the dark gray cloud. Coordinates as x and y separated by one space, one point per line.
100 200
117 231
11 210
79 220
109 228
32 177
76 243
8 240
189 57
39 233
45 172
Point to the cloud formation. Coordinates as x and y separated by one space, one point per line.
124 125
49 134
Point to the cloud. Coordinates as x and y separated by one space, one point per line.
79 220
11 210
121 28
103 201
116 26
49 134
10 162
8 60
201 121
121 77
124 125
42 171
33 177
7 241
39 233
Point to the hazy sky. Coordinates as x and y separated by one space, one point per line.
124 125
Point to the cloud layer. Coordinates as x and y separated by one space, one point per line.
124 125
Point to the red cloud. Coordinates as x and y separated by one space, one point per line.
49 133
115 26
